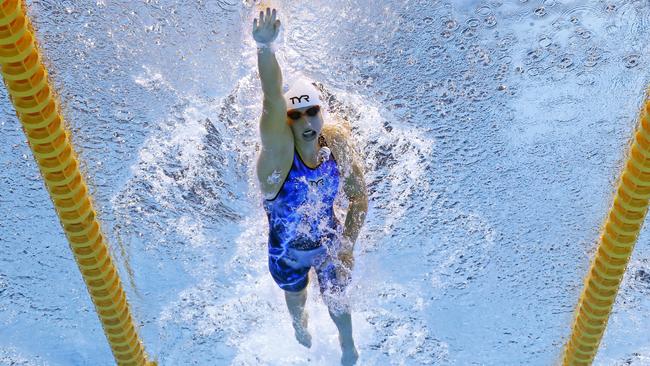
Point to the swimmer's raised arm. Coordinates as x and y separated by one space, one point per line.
276 154
265 31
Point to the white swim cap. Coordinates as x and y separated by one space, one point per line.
302 93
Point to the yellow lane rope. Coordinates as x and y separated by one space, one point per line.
37 108
614 250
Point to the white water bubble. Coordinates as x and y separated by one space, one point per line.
483 10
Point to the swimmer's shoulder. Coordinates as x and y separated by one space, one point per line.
351 167
336 132
337 137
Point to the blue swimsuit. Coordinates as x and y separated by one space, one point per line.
302 226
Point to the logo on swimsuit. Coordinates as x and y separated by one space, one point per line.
299 99
317 183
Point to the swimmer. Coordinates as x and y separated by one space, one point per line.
301 164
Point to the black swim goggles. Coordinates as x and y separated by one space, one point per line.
295 115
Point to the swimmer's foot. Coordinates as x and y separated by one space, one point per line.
349 356
302 334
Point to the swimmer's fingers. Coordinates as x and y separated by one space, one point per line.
343 275
347 258
276 28
275 23
254 25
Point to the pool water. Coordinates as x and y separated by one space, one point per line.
493 134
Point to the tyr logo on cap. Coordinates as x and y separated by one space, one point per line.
293 99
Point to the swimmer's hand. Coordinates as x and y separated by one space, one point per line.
266 28
344 270
345 253
347 259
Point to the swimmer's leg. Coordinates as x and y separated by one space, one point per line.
296 305
332 289
343 321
